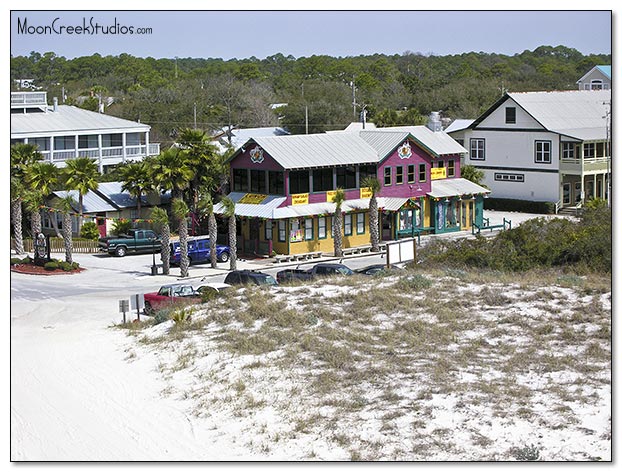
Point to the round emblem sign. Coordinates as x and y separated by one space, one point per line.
404 151
256 155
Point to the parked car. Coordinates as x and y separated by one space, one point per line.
213 287
136 240
169 295
199 251
249 277
322 269
375 269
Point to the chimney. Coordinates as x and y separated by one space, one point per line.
434 121
55 101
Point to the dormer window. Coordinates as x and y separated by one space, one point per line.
510 115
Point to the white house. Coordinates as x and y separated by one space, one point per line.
64 132
598 78
543 146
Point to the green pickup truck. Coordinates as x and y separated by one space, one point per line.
137 240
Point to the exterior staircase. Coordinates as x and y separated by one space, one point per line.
570 211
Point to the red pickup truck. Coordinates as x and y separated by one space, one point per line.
169 295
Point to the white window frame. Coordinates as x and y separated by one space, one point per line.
477 149
542 155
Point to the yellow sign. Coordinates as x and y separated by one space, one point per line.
253 198
365 192
438 173
330 195
300 198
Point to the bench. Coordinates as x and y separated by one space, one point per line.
305 256
487 225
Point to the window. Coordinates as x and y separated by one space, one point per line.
299 181
503 177
112 140
64 142
451 168
321 227
258 181
276 185
387 176
268 230
440 164
596 84
478 149
282 231
346 177
411 174
567 150
88 141
360 223
510 115
399 175
347 224
240 180
543 152
322 180
422 172
367 171
308 229
589 150
42 143
600 149
134 139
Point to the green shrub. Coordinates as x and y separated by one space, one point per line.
66 266
121 227
89 230
161 316
181 315
16 260
52 265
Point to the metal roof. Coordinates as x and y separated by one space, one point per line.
318 150
458 125
113 191
605 70
91 202
576 113
438 143
453 187
69 119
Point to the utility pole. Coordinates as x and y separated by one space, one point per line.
608 150
353 99
195 115
306 110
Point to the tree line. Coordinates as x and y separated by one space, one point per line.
320 92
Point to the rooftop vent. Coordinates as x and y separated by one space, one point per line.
434 121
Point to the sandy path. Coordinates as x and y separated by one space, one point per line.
76 397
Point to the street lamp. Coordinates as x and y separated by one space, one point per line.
154 268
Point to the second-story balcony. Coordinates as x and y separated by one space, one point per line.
585 165
115 153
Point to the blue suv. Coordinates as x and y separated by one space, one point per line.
198 251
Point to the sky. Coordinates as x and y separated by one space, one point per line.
243 34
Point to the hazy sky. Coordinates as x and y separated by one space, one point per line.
242 34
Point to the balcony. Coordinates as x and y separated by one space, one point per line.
590 165
112 155
28 99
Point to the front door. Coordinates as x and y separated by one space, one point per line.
566 194
387 227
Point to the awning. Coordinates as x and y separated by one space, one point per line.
264 207
455 187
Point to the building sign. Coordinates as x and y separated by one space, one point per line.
365 192
300 198
330 195
253 198
256 155
438 173
404 151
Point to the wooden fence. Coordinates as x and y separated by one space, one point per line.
58 245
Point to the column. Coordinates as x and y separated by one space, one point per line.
582 175
100 154
146 143
124 143
75 145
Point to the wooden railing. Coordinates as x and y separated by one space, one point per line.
80 246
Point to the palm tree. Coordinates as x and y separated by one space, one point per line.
180 210
338 199
229 212
169 171
22 157
44 176
206 207
66 207
81 174
160 220
373 184
136 181
33 201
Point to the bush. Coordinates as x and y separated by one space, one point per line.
89 230
161 316
121 227
67 266
16 260
181 315
52 265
